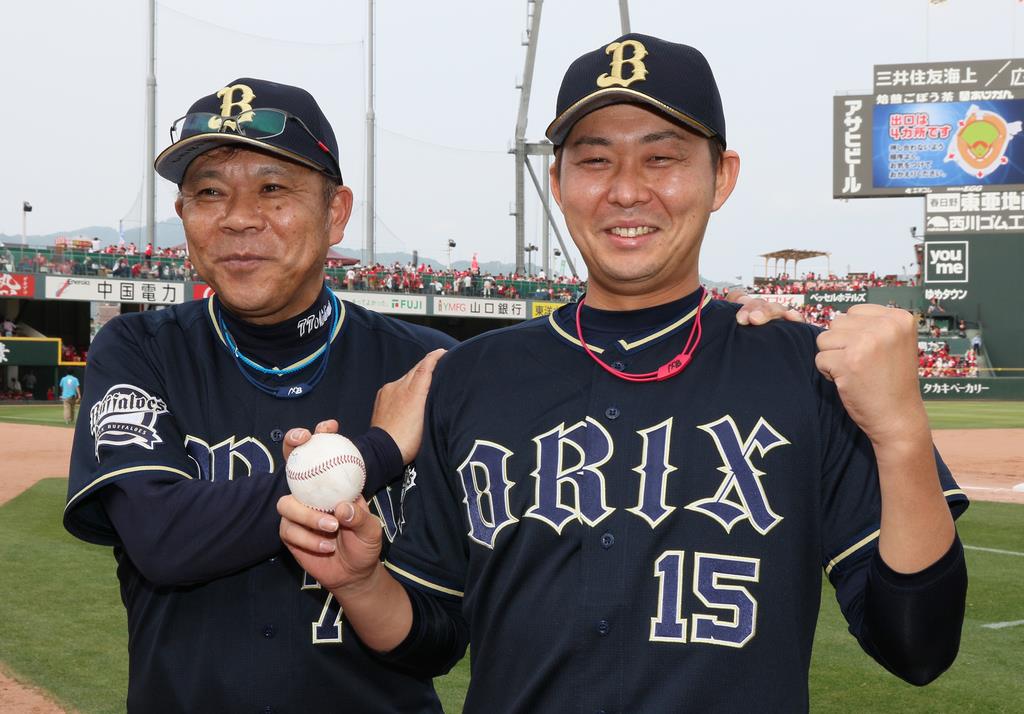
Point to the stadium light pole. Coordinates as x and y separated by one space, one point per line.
545 239
451 244
529 258
26 208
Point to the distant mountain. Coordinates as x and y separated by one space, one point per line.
168 233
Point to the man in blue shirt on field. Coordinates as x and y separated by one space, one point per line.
70 393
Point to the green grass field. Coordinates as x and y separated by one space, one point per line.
62 626
943 415
975 415
44 413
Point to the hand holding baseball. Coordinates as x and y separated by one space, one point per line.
340 550
325 470
871 355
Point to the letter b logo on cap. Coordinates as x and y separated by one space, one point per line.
228 104
635 61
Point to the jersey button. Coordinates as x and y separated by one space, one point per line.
276 435
612 412
603 627
618 365
268 631
607 540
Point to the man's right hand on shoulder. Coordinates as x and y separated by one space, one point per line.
400 405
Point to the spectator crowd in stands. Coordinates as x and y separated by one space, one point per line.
784 284
127 262
70 353
820 315
424 279
121 261
934 360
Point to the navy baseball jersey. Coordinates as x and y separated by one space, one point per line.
653 547
177 463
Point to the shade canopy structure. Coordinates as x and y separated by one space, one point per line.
796 256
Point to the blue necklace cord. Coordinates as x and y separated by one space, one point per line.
292 391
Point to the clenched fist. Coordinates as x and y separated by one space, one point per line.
870 353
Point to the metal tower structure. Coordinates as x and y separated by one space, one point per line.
370 250
150 180
524 149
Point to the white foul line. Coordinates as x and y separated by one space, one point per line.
992 550
1001 625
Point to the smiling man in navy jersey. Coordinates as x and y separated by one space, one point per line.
647 531
177 461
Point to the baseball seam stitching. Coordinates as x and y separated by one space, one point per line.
324 466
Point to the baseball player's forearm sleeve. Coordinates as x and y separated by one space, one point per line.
184 531
382 457
437 640
912 622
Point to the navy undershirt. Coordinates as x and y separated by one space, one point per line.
282 343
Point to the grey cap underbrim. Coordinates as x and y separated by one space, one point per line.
559 129
173 162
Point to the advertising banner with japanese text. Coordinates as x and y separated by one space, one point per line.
976 211
793 300
841 300
947 144
150 292
540 308
17 285
480 307
973 388
851 147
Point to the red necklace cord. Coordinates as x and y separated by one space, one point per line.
671 368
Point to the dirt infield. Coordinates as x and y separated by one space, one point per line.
988 463
24 699
34 452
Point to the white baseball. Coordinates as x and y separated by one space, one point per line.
325 471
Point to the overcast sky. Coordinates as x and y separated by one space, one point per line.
72 138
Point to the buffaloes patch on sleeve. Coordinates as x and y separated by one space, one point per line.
126 415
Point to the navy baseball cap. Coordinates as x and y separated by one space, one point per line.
639 69
276 118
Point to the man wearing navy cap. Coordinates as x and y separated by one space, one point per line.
179 463
646 531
